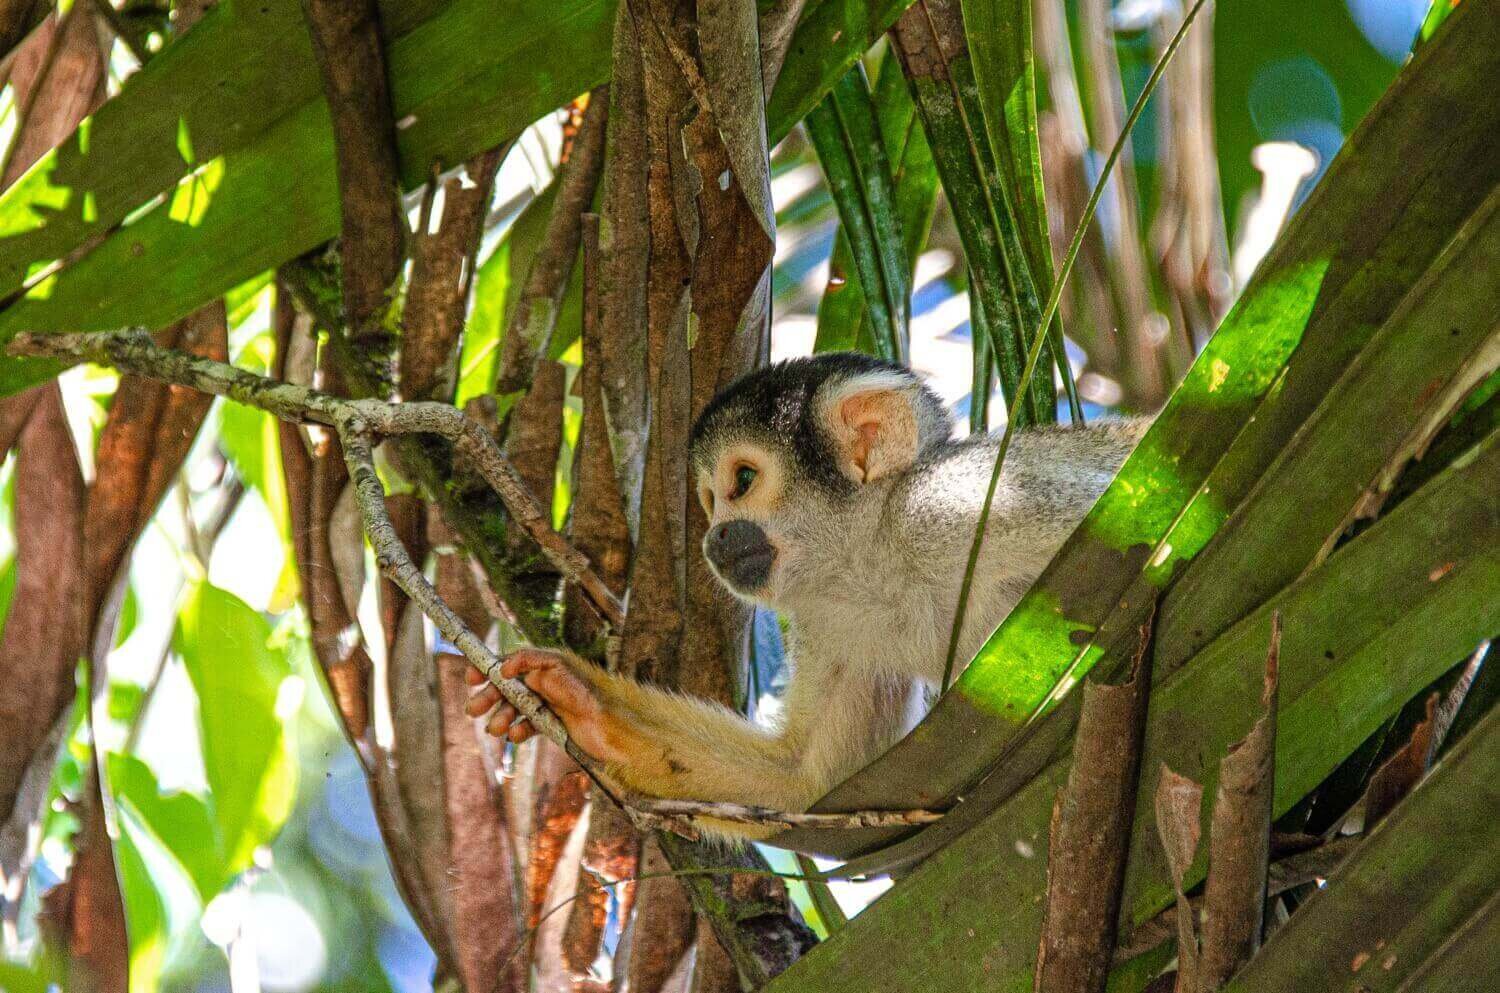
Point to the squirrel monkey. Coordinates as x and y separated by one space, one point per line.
835 497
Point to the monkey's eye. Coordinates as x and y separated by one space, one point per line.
744 478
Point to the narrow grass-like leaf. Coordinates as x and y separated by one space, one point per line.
929 42
841 311
1039 338
999 35
982 384
846 134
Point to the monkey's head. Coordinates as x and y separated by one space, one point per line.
783 456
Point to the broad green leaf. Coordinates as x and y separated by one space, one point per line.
180 822
247 757
244 86
1385 212
846 134
1436 849
1389 629
479 354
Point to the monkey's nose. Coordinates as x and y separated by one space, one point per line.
741 552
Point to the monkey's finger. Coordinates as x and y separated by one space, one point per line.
474 677
483 701
517 664
520 731
500 723
566 694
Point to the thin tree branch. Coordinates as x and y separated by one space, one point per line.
359 423
135 351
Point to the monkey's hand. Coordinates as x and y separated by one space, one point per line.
652 741
563 684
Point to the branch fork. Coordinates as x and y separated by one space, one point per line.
360 425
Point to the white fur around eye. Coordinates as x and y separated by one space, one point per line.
761 493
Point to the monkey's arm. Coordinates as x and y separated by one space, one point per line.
665 744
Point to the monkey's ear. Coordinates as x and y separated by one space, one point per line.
875 432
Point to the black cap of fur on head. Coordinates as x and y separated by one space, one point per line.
780 406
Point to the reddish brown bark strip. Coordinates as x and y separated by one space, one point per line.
487 926
663 930
1091 826
58 76
314 480
529 330
46 629
597 525
442 271
346 41
148 435
560 791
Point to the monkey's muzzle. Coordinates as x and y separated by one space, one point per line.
741 553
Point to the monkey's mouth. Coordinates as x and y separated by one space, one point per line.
750 572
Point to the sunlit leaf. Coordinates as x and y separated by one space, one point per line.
463 80
145 913
179 821
246 754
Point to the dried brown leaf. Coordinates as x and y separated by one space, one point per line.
1400 773
1179 801
1239 841
561 790
1090 835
